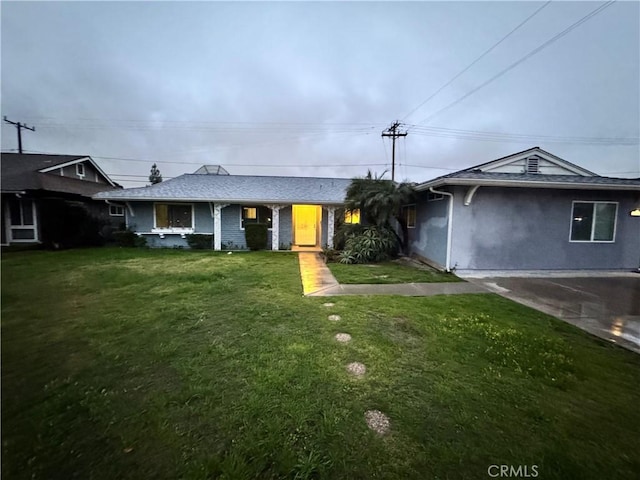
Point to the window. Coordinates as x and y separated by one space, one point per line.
116 211
432 197
22 217
174 215
593 221
255 214
80 169
409 215
352 217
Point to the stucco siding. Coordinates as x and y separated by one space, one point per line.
529 229
429 238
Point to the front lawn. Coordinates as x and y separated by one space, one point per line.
387 273
168 364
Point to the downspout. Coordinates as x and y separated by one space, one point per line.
447 264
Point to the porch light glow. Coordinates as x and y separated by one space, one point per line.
635 213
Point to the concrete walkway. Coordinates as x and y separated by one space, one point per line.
316 276
318 281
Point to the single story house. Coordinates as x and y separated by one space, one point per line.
528 211
299 211
34 187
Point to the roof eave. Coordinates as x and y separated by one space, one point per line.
523 184
214 200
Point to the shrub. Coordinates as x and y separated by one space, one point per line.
330 255
256 236
69 225
345 231
128 238
373 244
200 241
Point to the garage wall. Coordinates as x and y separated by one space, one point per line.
429 238
529 229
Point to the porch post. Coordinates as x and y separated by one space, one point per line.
216 213
330 225
275 226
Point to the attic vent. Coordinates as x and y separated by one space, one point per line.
533 165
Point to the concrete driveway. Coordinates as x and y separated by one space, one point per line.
605 305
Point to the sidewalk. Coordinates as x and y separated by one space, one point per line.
318 281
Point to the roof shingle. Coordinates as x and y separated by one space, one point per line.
239 189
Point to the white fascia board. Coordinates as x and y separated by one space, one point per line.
244 201
487 167
525 184
79 160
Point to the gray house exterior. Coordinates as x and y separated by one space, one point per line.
528 211
300 211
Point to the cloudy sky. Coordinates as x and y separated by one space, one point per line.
298 88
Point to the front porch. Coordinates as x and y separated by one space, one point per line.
298 226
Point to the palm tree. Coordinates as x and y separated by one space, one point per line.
380 201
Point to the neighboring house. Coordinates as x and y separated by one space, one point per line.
299 211
527 211
32 183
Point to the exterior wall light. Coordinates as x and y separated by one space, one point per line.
635 213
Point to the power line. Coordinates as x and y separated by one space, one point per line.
486 52
526 57
519 138
271 165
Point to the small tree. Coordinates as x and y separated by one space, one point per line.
156 176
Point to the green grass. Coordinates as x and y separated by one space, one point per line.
387 273
166 364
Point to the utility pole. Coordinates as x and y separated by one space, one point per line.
393 132
19 126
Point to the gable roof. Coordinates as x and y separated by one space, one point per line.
534 151
576 177
239 189
22 172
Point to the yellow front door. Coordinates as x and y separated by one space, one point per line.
305 225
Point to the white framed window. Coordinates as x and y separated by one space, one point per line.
173 216
116 210
409 215
593 221
21 213
255 214
352 217
80 170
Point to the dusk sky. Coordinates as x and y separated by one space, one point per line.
306 89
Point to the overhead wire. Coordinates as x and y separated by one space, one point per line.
522 59
484 54
519 137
